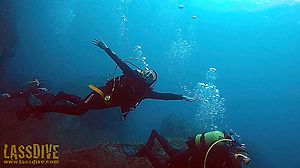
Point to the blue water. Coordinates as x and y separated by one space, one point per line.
254 47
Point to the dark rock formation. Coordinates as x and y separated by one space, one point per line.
176 127
111 155
103 156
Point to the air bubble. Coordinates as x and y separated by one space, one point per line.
211 106
211 75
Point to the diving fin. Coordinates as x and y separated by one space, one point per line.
34 101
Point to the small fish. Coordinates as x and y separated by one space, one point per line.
194 17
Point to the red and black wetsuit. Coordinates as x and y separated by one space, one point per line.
125 91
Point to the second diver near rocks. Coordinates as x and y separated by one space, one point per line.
213 149
125 91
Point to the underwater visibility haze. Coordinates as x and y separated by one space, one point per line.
239 60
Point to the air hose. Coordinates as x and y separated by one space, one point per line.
106 98
209 149
126 60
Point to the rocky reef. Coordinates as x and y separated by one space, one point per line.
109 155
77 144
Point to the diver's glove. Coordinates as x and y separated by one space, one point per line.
99 43
31 86
188 99
4 96
244 160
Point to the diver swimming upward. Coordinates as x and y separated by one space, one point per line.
125 91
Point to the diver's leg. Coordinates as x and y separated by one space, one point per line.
60 97
65 108
154 160
147 147
43 104
164 143
93 99
74 105
52 99
65 96
70 104
150 143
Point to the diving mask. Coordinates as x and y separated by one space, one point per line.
149 75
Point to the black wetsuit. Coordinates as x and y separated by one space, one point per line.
125 91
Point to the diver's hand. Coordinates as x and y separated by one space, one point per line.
188 99
43 89
4 96
99 43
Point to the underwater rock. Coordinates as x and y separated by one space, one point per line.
109 155
176 127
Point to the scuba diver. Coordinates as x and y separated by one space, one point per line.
125 91
33 87
28 92
32 92
208 150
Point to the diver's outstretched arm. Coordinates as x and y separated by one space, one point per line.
123 66
168 96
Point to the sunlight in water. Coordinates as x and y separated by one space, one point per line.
241 5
